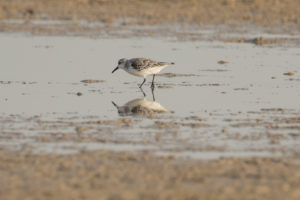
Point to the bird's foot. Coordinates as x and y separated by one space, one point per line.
152 86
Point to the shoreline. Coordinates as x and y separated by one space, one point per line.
112 175
206 12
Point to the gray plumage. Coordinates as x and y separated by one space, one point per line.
144 63
142 67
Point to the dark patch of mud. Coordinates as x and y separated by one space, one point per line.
92 81
18 82
171 75
214 70
222 62
289 74
263 41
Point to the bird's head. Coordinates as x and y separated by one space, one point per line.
121 64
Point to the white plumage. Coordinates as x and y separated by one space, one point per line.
142 67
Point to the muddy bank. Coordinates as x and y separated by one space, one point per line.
107 175
177 20
232 12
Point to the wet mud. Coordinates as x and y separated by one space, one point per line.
206 12
109 175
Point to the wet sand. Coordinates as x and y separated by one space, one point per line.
107 175
178 19
284 13
71 130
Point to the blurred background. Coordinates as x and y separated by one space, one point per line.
283 13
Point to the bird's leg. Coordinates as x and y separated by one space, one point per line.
143 92
153 97
152 84
142 83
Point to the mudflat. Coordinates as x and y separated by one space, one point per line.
284 13
223 123
108 175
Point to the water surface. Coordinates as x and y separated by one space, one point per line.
247 106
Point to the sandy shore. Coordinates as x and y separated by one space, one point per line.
188 20
283 13
282 16
107 175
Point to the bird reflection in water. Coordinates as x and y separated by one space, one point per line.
141 106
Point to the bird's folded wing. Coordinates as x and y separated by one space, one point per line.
142 63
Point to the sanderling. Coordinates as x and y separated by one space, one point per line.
142 67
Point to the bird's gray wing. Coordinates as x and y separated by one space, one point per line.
142 63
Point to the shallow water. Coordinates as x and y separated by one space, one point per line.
42 75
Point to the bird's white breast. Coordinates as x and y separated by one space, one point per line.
144 72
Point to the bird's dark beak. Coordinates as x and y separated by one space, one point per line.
115 69
115 104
